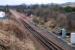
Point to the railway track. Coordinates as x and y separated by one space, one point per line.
43 40
48 40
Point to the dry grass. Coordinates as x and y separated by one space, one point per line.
10 34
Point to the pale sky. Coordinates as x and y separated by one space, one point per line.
17 2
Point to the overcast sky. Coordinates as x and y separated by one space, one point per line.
17 2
